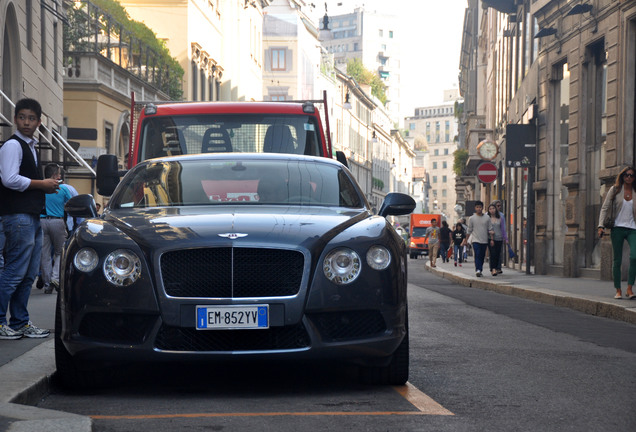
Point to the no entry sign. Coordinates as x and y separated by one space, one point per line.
487 172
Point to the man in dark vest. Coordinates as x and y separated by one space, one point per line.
22 191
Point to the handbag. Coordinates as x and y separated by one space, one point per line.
511 253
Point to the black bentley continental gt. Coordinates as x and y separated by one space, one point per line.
234 256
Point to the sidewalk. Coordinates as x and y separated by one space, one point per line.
26 365
591 296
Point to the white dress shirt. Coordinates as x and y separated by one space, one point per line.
10 161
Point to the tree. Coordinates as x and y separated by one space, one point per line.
362 75
461 156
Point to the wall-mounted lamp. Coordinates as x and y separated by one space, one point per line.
325 32
374 138
579 9
347 104
546 31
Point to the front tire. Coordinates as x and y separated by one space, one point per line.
397 371
68 374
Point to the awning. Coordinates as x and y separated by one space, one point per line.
504 6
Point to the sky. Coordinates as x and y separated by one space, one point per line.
430 48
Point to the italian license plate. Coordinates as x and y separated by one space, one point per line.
232 317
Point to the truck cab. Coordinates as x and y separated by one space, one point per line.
213 127
176 128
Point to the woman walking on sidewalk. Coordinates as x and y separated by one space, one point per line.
619 213
494 247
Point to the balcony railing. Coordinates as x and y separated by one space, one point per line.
92 30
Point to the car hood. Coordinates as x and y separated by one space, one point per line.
158 228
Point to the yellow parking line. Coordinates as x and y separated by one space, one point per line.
424 404
420 400
256 414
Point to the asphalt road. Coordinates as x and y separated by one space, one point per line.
479 361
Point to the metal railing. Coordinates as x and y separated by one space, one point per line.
56 137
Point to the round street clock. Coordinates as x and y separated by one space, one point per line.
487 149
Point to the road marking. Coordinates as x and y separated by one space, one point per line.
421 401
256 414
424 404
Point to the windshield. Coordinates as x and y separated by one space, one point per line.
247 182
419 232
189 134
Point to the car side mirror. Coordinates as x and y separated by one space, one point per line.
81 206
396 204
107 174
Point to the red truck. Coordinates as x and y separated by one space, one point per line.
418 245
174 128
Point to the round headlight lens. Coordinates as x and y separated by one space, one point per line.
378 257
342 266
86 260
122 267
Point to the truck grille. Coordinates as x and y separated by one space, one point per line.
232 272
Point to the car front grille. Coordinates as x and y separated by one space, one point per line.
232 272
337 326
274 338
117 327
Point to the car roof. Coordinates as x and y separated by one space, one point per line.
246 157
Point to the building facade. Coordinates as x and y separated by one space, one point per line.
31 58
563 71
218 43
374 38
434 130
292 52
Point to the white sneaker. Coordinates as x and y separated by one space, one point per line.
8 333
31 331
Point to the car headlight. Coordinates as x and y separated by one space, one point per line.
378 257
122 267
341 266
86 260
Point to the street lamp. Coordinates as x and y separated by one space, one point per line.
347 104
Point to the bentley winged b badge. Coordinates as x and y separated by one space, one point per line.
232 236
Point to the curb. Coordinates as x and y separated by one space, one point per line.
589 306
25 381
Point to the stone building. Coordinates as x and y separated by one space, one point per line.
31 57
563 71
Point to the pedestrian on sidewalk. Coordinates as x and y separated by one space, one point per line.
53 230
618 210
494 247
445 240
504 234
458 235
481 232
432 234
22 192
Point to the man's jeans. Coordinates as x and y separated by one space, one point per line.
1 246
21 265
480 255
